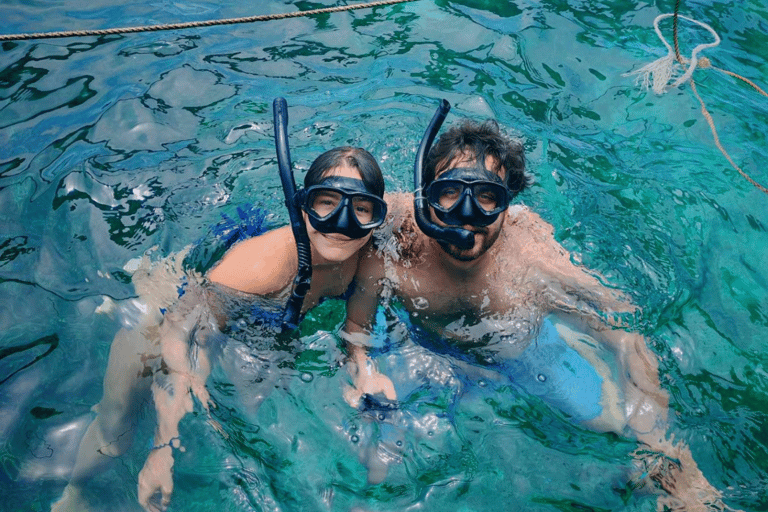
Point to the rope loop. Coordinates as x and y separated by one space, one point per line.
660 73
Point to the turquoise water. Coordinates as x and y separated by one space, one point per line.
111 146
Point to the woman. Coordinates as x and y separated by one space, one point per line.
340 205
342 202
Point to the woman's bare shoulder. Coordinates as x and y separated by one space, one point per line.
259 265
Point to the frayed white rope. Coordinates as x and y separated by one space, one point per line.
661 71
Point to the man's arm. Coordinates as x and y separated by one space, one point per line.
668 463
597 310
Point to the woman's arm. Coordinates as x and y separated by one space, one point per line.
361 314
181 376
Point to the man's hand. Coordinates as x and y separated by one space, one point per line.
676 472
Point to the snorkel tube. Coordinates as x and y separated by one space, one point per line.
453 235
304 276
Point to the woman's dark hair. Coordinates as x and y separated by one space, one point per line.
479 140
357 158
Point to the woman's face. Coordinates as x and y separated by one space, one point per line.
335 247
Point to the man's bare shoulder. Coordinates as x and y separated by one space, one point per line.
528 237
522 218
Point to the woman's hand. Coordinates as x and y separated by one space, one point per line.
156 477
366 378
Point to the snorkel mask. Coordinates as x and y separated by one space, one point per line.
460 196
343 205
468 195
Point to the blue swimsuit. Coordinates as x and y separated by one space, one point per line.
548 368
553 371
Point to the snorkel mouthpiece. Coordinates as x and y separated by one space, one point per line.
457 236
304 276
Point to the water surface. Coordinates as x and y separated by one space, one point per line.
113 145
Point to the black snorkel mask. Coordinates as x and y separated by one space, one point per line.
468 195
303 279
460 196
343 205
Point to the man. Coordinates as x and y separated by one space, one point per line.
487 287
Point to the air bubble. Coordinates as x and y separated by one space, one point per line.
541 377
306 377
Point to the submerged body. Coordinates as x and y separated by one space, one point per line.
492 314
263 266
483 282
166 358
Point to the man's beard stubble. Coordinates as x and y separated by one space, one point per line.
474 252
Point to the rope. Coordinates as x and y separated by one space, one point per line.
674 30
660 73
711 122
196 24
703 64
708 116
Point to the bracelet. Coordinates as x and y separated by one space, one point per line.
169 443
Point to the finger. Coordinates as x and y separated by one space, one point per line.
144 495
166 498
149 504
352 396
389 390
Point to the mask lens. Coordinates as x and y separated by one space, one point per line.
364 210
444 195
487 196
324 202
449 195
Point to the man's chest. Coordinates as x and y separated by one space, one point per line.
430 292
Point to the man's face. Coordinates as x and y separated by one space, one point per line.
485 236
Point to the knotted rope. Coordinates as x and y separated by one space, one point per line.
660 72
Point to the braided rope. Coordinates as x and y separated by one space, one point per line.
735 75
196 24
711 122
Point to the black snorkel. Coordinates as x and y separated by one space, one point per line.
303 279
453 235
